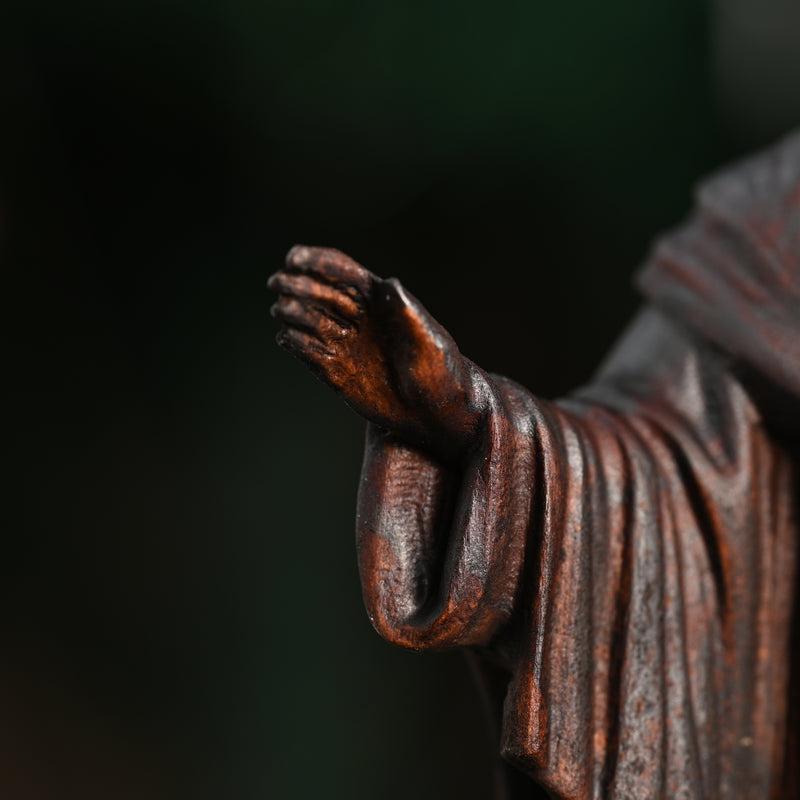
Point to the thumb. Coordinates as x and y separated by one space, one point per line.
425 357
406 321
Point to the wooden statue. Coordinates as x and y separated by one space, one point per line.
622 563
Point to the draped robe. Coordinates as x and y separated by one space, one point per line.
622 563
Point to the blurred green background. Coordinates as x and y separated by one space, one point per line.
181 612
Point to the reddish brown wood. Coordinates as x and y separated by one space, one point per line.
620 563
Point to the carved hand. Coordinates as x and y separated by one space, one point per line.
376 345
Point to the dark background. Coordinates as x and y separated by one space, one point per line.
181 614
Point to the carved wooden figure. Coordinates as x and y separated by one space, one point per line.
620 563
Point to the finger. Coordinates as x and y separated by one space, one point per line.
294 313
321 294
331 266
307 348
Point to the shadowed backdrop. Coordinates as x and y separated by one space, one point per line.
181 612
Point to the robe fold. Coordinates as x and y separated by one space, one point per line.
626 557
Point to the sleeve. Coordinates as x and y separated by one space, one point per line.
441 549
629 555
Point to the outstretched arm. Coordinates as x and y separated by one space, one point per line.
375 344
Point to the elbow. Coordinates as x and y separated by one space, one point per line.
437 627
